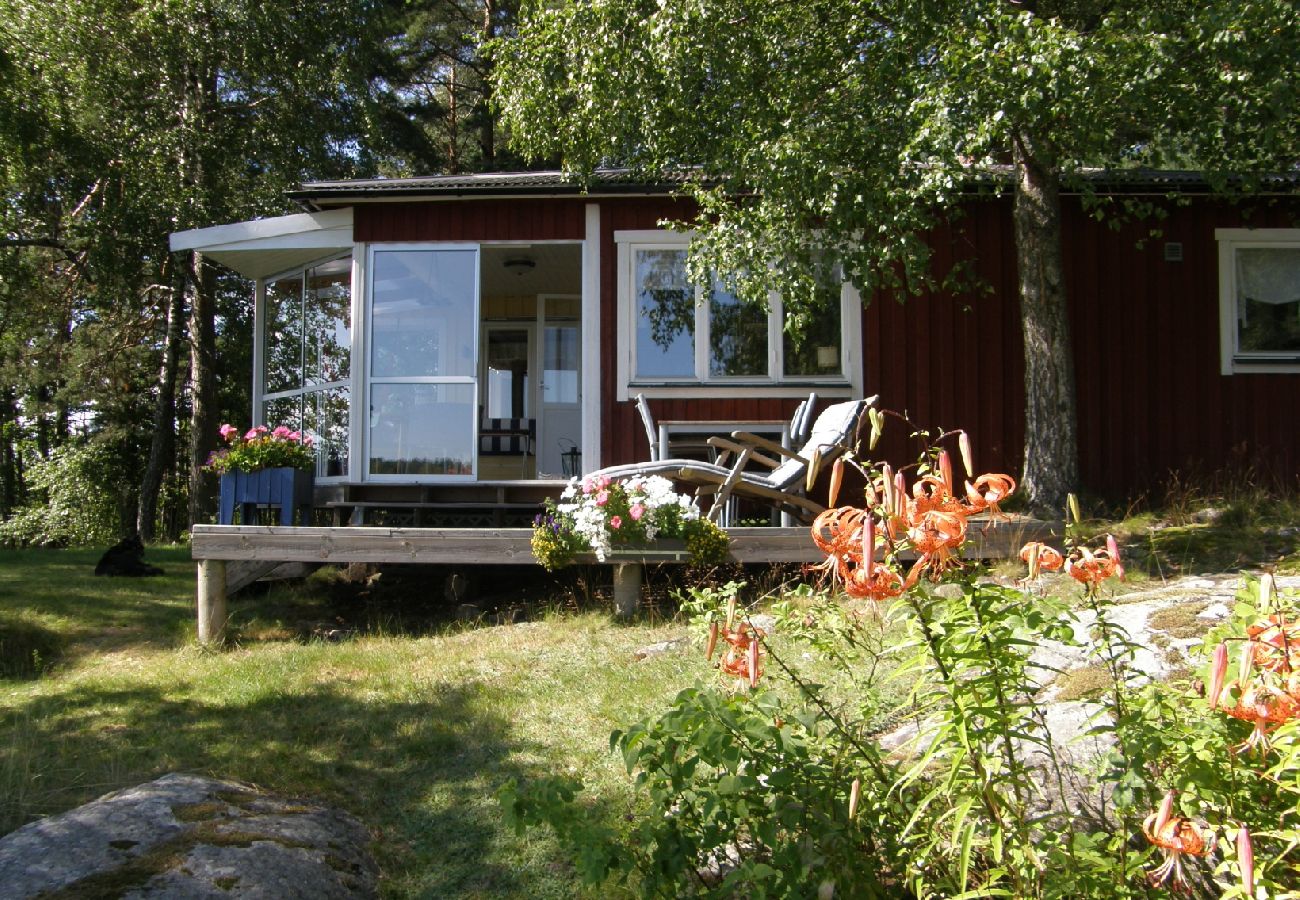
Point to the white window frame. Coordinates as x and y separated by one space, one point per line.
704 385
260 396
1230 240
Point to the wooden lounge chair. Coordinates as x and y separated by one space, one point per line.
784 487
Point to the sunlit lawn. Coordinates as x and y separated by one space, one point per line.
411 734
409 728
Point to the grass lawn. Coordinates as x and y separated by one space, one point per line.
410 727
412 734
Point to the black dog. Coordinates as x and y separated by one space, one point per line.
126 558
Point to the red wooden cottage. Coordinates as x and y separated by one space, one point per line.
492 331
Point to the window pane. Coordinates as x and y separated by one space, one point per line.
286 411
817 350
507 374
560 357
423 313
737 335
327 317
325 420
422 429
1268 300
665 315
283 367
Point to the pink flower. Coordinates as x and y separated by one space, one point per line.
227 431
282 432
252 434
602 498
637 511
295 436
616 522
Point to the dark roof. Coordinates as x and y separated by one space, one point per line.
317 194
487 184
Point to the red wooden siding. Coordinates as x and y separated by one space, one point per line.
1146 337
471 220
1146 349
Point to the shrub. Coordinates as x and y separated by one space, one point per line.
778 786
74 502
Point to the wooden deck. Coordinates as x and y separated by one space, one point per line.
232 556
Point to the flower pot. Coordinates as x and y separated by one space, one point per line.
288 488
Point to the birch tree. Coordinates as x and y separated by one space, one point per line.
836 132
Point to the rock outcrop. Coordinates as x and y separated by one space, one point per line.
190 837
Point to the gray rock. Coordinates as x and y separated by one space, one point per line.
661 648
190 837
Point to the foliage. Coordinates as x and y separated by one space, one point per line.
851 127
788 790
597 515
262 448
73 502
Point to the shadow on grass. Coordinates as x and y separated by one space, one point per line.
59 588
420 773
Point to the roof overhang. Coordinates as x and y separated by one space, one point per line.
264 247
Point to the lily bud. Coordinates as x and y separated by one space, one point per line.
713 640
869 544
1247 658
731 613
877 427
900 493
963 444
1035 548
753 662
1218 669
945 471
837 478
1265 593
1246 860
1165 813
887 488
1074 509
1112 548
855 792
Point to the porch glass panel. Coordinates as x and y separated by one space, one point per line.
283 334
422 429
424 313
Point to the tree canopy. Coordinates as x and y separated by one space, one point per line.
836 132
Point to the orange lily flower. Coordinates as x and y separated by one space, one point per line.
1091 568
1177 836
1276 643
988 491
1266 707
741 659
877 583
1041 557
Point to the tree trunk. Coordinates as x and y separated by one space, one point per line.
487 126
164 419
1051 468
203 386
10 474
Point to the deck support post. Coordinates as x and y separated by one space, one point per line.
212 601
627 589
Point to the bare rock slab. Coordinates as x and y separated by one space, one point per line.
186 836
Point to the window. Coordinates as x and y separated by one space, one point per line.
685 334
1259 299
307 346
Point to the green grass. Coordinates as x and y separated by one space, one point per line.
412 734
410 722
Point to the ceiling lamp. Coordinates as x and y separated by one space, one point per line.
520 265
